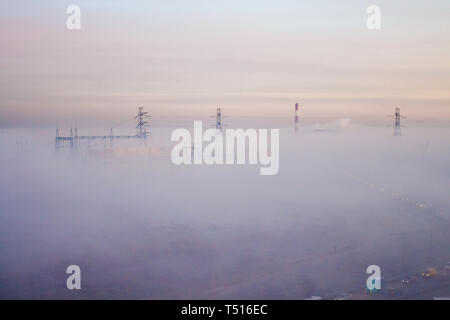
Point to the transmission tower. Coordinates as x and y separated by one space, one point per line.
142 124
218 117
397 126
296 116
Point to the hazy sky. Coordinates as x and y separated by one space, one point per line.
187 57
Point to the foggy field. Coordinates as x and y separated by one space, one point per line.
347 195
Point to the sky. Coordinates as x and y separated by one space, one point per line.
185 58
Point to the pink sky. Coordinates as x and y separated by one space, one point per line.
187 58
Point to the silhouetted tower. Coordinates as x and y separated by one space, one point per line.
296 116
219 119
142 124
397 126
397 117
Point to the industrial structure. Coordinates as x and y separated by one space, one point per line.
218 117
296 116
397 126
74 139
142 124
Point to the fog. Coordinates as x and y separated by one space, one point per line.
347 195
